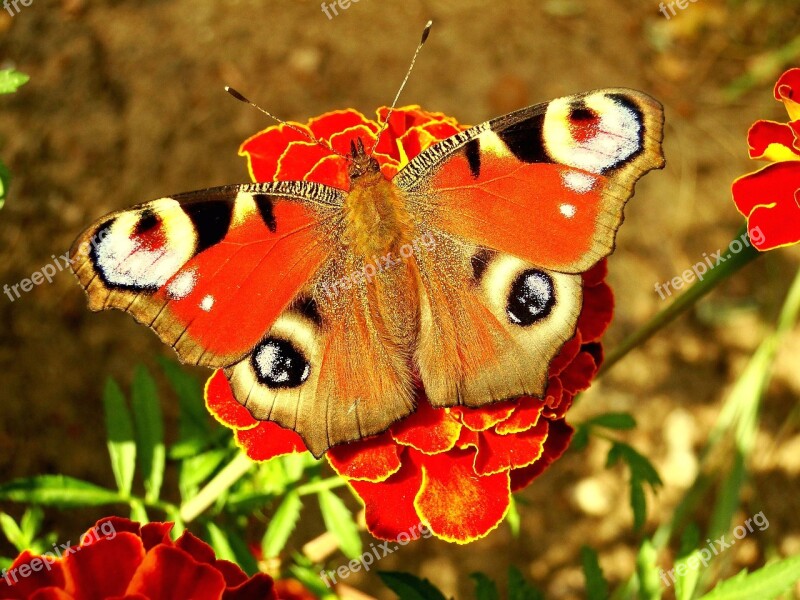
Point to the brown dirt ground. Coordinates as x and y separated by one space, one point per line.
125 104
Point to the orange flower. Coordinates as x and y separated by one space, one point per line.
770 197
118 558
452 470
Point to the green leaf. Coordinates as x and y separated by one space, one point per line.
30 523
281 525
485 588
149 432
139 512
613 421
339 521
219 542
647 571
766 583
519 589
596 584
5 181
57 490
197 469
121 444
11 80
193 426
410 587
12 532
242 553
513 517
642 471
688 556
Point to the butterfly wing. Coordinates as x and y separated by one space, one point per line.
522 205
230 278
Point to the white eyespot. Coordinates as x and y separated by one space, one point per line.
578 182
182 285
568 210
206 303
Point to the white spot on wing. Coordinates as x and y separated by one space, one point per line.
207 302
182 285
578 182
568 210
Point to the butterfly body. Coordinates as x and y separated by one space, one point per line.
333 311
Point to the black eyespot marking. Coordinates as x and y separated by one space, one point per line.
211 220
525 141
264 204
579 112
307 307
147 221
279 365
480 261
472 149
531 299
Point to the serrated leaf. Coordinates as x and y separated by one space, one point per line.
193 424
519 589
647 571
121 443
638 503
340 522
57 490
149 432
485 588
596 584
11 80
281 525
30 523
613 421
5 182
410 587
12 531
766 583
218 539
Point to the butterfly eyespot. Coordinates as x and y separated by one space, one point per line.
278 364
531 299
582 113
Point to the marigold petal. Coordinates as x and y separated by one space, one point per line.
331 123
166 569
196 548
13 585
481 419
596 275
428 429
372 459
222 405
558 439
567 354
772 141
154 533
770 200
787 90
331 170
299 159
264 149
597 312
527 412
454 502
260 586
268 440
389 505
48 593
579 374
498 452
103 568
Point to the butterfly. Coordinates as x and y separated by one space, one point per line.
327 308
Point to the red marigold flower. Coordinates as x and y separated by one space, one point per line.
770 197
451 470
123 560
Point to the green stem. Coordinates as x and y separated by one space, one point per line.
312 487
222 482
733 263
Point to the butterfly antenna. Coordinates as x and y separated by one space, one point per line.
306 134
425 33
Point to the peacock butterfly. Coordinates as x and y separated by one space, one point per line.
239 277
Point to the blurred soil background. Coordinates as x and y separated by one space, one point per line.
126 104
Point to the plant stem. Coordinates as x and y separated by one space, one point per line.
733 263
312 487
229 475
